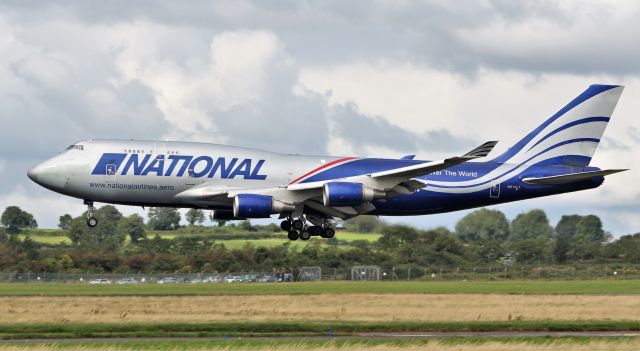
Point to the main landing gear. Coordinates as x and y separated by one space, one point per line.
298 229
92 221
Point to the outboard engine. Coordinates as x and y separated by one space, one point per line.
258 206
223 215
336 194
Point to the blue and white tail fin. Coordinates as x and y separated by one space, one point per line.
569 137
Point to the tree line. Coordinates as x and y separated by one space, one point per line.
483 237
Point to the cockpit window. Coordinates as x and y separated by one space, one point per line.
75 147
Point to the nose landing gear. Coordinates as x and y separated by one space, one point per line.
92 221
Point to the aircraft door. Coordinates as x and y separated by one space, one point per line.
159 149
190 179
494 191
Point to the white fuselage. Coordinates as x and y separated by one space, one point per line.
153 172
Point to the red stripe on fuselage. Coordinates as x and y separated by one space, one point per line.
323 167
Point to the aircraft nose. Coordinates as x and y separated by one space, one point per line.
33 172
48 174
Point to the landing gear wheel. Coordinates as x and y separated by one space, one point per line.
91 212
297 224
315 230
293 235
285 225
92 222
328 233
305 235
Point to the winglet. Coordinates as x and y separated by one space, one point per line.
481 151
408 157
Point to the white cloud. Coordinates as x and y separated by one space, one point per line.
245 79
580 38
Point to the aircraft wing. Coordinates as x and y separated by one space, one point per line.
570 178
393 182
206 192
430 167
389 179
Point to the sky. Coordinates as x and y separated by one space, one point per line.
365 78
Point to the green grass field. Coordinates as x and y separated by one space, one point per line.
47 239
284 329
626 287
44 231
57 236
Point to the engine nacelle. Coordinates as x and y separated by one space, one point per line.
258 206
336 194
223 215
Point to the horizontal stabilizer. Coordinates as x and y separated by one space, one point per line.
570 178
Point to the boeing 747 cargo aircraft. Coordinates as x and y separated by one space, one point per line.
307 192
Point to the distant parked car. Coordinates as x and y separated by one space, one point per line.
212 280
168 280
248 278
267 279
284 277
127 281
232 279
100 281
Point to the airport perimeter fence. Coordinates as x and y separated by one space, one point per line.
520 272
359 273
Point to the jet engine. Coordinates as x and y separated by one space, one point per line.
224 215
336 194
258 206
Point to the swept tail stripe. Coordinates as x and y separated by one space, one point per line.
571 141
479 189
315 170
571 124
592 91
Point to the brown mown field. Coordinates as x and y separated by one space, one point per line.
323 307
597 345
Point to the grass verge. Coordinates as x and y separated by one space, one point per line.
126 330
577 287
